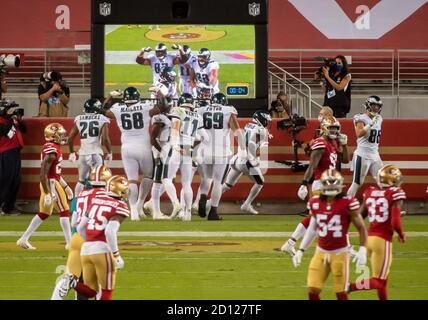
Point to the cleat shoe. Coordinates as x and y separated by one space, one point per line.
68 282
213 214
134 213
160 216
67 246
23 243
249 209
194 210
202 206
288 247
186 216
208 206
176 210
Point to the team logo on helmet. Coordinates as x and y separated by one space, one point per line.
203 57
55 132
186 100
330 127
92 105
99 175
131 95
262 118
373 105
219 99
389 176
160 50
168 75
117 187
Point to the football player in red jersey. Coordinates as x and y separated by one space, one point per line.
331 214
54 191
98 178
382 205
326 150
100 252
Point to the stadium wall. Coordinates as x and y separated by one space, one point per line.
403 143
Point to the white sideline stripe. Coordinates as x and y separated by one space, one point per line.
271 164
194 234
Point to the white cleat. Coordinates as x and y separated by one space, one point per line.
249 209
176 210
67 246
148 207
288 247
194 210
68 282
160 216
23 243
186 216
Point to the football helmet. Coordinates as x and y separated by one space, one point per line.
262 118
373 105
99 175
92 106
203 57
160 50
55 132
202 103
168 75
117 187
330 127
389 176
131 95
186 100
187 51
219 98
331 182
203 91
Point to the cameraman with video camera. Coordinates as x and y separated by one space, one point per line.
281 107
11 143
337 84
54 95
3 83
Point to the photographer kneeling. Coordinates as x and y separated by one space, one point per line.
54 95
281 107
11 143
337 86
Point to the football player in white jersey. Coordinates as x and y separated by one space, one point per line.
185 122
166 85
184 68
204 71
93 130
366 157
158 61
160 136
256 139
219 120
133 119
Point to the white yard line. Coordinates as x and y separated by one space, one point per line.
193 234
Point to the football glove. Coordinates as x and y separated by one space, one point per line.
116 94
402 237
109 158
175 46
297 258
47 200
360 257
343 139
146 49
69 192
72 157
120 264
303 192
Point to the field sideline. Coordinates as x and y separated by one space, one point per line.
178 265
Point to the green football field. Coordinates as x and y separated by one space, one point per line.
201 264
216 38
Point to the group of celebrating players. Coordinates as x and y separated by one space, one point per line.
161 136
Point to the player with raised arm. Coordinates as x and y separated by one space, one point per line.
158 61
166 85
184 68
366 157
326 151
204 71
98 177
219 121
185 122
54 190
256 139
331 214
100 252
133 119
382 205
93 130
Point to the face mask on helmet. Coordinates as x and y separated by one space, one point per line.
373 105
331 183
389 176
262 118
160 51
203 57
55 133
333 132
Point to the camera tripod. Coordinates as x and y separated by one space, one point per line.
295 165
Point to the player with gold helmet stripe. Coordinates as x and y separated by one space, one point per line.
54 191
382 205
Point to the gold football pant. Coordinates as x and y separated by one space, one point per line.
74 262
99 270
322 264
60 204
380 253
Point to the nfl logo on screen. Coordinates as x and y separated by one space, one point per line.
254 9
105 9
